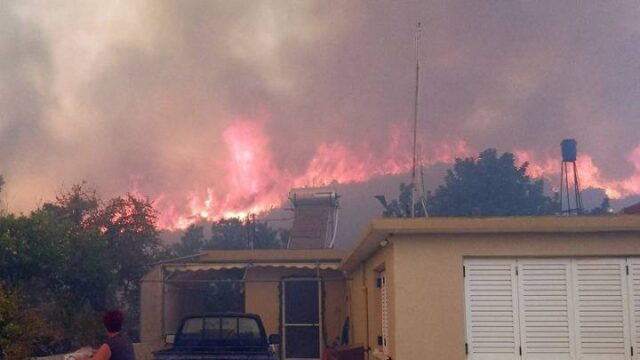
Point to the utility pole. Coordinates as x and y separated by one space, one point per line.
251 230
414 187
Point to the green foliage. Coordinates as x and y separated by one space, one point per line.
232 233
192 242
20 326
400 207
77 256
489 185
603 209
227 234
127 227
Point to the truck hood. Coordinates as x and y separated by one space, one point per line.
207 353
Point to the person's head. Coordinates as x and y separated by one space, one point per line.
112 320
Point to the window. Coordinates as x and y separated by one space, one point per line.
581 308
384 310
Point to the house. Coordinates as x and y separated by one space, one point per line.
436 288
297 293
497 288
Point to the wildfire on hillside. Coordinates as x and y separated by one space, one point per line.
259 185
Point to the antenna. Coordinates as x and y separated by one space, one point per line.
415 122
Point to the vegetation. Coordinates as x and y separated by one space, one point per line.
231 233
489 185
603 209
68 261
20 325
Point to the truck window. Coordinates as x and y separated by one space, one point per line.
221 330
248 329
191 331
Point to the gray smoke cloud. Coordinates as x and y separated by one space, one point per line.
142 91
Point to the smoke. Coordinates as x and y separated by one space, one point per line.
216 108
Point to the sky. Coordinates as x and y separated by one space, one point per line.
218 108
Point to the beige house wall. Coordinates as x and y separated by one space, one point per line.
262 297
428 302
171 302
364 300
151 298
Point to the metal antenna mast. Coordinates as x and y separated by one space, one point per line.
414 188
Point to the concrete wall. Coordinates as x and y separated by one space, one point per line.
164 305
151 300
364 300
428 297
262 297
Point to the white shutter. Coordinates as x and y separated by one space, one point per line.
491 309
384 302
546 312
602 319
633 280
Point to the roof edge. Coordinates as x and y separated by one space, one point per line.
380 229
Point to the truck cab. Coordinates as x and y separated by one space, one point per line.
220 336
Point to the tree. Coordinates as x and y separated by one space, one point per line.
489 185
603 209
233 233
192 242
227 294
1 185
20 325
400 207
128 227
76 256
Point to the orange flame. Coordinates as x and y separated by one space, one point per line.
255 184
590 175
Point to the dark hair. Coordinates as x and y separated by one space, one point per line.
112 320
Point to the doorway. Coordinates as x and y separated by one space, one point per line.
301 319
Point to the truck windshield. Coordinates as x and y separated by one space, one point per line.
221 331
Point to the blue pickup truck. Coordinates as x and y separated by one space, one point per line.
222 336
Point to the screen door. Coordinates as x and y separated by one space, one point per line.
301 319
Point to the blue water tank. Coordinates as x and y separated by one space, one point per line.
569 149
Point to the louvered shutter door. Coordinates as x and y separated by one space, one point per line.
633 281
602 319
491 309
546 310
384 302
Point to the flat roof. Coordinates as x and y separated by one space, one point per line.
380 229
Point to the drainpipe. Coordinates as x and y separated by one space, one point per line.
162 303
366 307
